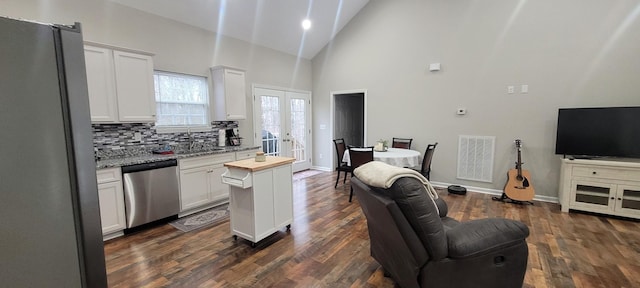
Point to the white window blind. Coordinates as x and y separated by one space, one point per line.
181 100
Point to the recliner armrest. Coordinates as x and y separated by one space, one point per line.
483 236
443 209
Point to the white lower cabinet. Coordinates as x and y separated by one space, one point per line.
201 184
608 187
111 198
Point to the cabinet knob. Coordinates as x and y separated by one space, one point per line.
594 172
613 198
619 199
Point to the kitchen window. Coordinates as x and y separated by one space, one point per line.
182 102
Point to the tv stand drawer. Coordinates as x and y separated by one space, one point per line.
606 173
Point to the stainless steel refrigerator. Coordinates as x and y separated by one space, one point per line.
50 234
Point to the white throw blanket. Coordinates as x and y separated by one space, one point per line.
382 175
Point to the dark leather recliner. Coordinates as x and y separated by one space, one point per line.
419 246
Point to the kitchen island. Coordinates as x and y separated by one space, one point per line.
200 187
261 196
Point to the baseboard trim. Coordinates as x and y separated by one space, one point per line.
325 169
496 192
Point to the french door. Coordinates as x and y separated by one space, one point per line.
283 124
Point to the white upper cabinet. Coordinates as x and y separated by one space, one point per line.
134 78
229 94
101 84
120 85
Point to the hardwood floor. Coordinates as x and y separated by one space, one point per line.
328 246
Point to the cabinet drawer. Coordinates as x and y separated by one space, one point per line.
241 155
606 173
205 160
109 175
238 177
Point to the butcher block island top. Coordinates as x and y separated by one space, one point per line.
251 164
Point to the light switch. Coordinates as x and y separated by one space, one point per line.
524 88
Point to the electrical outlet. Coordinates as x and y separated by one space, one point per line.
137 136
320 155
510 89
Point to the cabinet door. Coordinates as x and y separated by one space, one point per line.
111 199
218 189
592 195
235 94
101 84
134 87
263 203
194 187
283 195
628 200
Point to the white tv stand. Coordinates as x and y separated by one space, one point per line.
608 186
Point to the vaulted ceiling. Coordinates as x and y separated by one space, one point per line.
275 24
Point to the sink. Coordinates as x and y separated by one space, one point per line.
201 150
211 149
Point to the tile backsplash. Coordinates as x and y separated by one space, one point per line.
118 140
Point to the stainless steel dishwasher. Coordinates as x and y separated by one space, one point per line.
151 191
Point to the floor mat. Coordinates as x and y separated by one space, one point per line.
202 219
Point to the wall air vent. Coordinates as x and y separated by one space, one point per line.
475 157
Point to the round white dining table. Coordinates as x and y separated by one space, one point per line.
393 156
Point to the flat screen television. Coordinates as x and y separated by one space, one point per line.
599 132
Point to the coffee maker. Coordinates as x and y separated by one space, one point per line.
233 137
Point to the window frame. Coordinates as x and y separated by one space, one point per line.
160 129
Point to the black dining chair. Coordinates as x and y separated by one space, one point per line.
404 143
358 157
341 166
425 169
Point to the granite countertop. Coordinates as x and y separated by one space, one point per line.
148 158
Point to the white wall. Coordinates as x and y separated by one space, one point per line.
177 47
571 53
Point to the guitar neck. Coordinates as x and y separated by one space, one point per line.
519 163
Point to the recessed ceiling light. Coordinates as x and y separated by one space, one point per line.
306 24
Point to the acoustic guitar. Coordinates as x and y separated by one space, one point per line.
518 186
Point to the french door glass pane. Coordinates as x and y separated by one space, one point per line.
298 135
271 126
